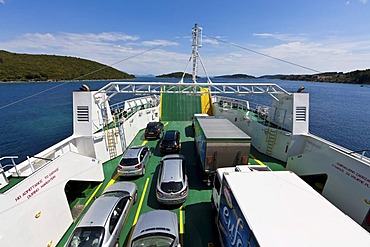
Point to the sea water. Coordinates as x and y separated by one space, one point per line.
34 116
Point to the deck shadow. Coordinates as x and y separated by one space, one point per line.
192 167
200 229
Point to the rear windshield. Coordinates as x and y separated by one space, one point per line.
157 239
129 162
87 236
168 142
169 187
169 136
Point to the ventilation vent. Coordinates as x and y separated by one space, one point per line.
82 113
300 113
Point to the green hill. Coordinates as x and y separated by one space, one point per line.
353 77
174 75
26 67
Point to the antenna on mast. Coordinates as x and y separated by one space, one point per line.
197 43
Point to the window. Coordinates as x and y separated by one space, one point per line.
116 214
129 162
169 187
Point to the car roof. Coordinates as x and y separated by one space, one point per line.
163 221
171 170
128 187
152 124
132 152
99 211
170 134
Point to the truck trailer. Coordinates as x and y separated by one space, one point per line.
277 208
219 143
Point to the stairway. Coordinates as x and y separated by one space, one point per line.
271 139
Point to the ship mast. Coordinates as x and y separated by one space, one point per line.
197 43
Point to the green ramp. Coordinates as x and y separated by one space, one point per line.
179 107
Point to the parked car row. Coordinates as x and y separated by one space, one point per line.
103 222
169 141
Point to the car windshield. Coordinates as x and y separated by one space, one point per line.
169 187
87 236
153 241
128 162
116 194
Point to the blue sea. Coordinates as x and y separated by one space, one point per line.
338 112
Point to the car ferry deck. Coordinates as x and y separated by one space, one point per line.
196 222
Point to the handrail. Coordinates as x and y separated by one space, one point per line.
145 88
9 165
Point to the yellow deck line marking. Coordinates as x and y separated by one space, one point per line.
144 142
166 124
141 202
181 221
93 194
258 161
112 181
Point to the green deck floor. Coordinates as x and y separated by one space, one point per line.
195 216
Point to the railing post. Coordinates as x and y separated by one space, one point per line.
30 164
3 173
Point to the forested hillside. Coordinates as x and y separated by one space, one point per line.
26 67
353 77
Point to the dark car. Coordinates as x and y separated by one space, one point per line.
170 142
153 130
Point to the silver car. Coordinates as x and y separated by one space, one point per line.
103 222
172 183
134 161
156 228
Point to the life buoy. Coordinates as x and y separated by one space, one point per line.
84 87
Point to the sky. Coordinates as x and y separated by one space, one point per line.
141 37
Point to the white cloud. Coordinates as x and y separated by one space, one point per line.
282 36
159 42
123 51
2 1
363 1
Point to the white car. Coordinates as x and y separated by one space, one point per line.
156 228
172 183
134 161
102 224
